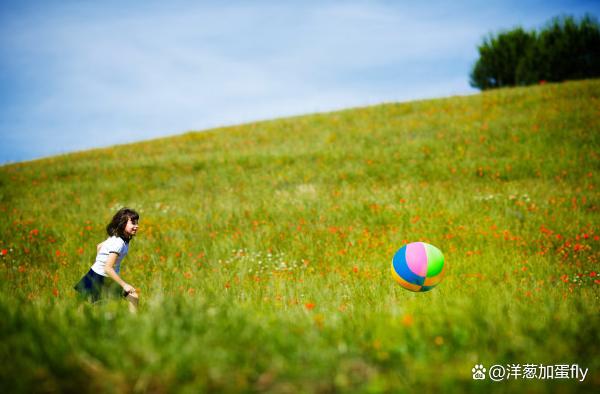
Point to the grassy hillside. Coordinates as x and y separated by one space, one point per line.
264 250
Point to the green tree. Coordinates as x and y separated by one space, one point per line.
564 49
499 59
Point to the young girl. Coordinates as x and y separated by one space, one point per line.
111 252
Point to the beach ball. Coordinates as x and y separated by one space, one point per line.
418 266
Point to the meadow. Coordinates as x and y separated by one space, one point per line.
264 250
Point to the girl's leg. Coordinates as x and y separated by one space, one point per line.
133 300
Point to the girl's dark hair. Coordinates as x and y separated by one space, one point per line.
119 221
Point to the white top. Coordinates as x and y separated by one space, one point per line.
112 244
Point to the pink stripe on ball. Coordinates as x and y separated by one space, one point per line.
416 258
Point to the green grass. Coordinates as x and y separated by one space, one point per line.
264 250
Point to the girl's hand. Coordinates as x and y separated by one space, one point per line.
128 288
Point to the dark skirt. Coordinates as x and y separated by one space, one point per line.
94 286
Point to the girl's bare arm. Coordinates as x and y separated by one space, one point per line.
108 268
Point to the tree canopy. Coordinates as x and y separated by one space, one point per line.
564 49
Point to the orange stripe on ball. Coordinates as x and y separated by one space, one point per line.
403 283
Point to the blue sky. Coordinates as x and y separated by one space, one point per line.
76 75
